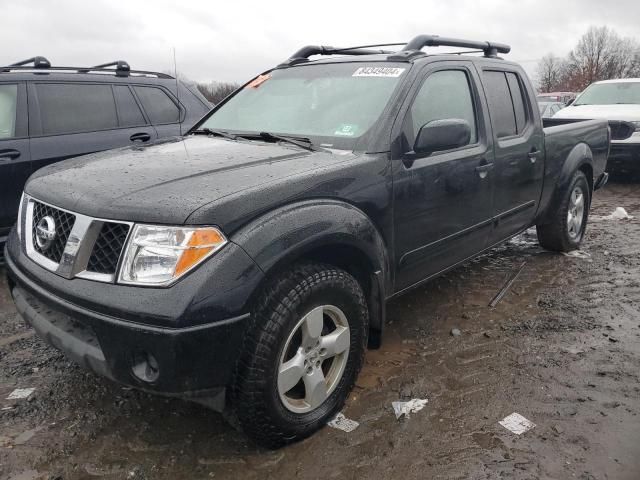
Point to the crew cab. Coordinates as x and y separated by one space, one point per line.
619 102
247 265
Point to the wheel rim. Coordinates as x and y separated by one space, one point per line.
575 213
313 359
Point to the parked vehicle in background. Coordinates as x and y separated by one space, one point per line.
562 97
549 109
248 264
50 113
619 102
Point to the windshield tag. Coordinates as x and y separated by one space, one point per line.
378 72
346 130
259 80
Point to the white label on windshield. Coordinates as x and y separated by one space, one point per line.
378 72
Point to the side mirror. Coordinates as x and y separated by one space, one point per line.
571 101
439 135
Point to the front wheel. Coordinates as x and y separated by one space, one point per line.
565 231
302 354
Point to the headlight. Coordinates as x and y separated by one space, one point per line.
159 255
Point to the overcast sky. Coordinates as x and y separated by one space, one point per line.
233 40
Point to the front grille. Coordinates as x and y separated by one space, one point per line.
621 130
63 224
108 247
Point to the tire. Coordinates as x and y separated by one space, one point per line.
295 307
561 233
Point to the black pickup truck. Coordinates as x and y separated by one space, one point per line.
247 265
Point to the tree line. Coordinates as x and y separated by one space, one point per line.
601 54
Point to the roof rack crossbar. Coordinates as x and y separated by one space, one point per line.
122 68
304 53
491 49
38 62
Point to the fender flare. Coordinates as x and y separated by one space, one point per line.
579 156
288 232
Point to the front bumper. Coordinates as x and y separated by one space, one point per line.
624 157
190 351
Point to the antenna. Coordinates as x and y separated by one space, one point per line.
175 74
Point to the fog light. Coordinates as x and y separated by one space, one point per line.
145 367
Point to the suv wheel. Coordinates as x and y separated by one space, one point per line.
302 354
566 230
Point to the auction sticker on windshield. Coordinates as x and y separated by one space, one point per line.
378 72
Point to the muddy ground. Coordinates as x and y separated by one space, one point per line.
562 348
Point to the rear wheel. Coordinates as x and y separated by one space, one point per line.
302 354
566 229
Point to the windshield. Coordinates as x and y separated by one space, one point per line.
610 94
331 104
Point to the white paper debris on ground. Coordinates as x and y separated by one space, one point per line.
405 408
618 214
20 393
343 423
516 423
577 254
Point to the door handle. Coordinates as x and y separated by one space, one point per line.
533 155
9 154
140 137
484 168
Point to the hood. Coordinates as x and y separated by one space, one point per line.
608 112
165 183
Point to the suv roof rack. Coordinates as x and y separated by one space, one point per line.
409 51
38 62
122 68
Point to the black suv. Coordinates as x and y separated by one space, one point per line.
50 113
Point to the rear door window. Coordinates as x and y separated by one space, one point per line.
500 104
129 113
517 96
8 104
73 108
159 107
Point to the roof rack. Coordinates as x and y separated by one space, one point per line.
122 68
409 51
38 62
304 53
414 47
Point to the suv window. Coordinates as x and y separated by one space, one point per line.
444 94
73 107
8 102
129 113
506 103
159 107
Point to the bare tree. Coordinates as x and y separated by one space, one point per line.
216 91
550 73
601 55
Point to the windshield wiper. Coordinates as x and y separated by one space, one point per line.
301 142
217 133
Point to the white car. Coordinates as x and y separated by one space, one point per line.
614 100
